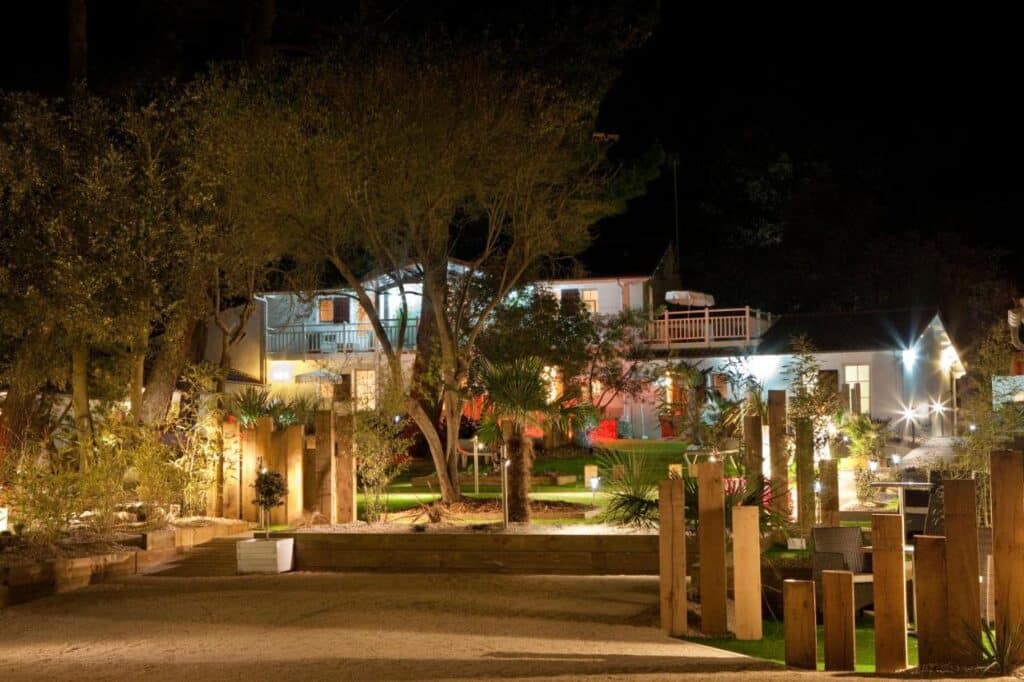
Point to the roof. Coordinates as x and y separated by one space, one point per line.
849 331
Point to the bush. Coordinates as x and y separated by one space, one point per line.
270 492
863 477
44 493
633 496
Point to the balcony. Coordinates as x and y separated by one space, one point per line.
708 328
296 341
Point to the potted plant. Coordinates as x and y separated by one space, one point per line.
266 554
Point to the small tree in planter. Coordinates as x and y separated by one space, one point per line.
270 492
267 555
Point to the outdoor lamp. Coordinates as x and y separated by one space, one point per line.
896 459
973 427
872 465
817 486
595 482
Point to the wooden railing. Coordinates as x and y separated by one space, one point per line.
357 337
707 326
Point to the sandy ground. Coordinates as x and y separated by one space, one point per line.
312 626
354 626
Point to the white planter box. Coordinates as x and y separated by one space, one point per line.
265 556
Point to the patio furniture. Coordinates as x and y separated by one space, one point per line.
841 549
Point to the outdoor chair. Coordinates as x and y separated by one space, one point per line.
840 549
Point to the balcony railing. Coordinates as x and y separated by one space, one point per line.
708 327
307 339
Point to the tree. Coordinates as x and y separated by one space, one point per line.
516 397
395 162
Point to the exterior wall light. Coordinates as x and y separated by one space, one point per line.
909 358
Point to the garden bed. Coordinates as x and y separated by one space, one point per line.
28 572
569 550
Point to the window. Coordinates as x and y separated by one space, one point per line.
589 298
343 389
859 376
566 295
334 309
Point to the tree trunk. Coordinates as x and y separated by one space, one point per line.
429 430
805 473
222 387
167 366
138 374
78 46
453 420
520 450
80 401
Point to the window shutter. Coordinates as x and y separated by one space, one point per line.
341 309
326 310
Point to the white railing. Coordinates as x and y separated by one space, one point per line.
303 339
707 326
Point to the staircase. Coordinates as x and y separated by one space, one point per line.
215 558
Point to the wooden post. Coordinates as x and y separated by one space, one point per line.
672 556
1007 468
777 453
589 473
264 455
232 471
295 438
800 626
890 592
839 617
805 474
963 599
675 470
828 470
930 611
250 460
343 473
746 571
711 538
753 456
324 424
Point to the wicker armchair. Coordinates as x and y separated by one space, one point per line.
839 549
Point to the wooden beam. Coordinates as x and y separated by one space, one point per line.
746 563
804 456
839 617
232 471
753 455
672 556
343 473
778 455
1007 470
711 538
295 442
828 470
799 624
324 425
930 611
963 604
888 562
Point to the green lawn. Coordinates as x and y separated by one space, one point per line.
772 646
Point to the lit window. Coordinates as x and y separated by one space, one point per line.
859 375
366 389
589 298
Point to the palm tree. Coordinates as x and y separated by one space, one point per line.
517 396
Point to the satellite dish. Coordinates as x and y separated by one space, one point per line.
691 299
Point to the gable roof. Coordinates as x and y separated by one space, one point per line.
849 331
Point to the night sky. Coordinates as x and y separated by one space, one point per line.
823 161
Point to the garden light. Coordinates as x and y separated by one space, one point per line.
896 459
972 428
873 465
937 407
595 482
817 486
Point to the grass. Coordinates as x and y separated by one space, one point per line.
772 646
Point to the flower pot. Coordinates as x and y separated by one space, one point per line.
260 555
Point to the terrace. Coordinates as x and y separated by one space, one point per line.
708 327
296 341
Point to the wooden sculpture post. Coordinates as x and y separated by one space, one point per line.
839 616
672 556
711 540
890 592
931 612
294 446
963 605
746 562
1007 467
799 624
777 453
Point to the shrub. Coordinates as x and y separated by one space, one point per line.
633 496
863 477
270 492
43 492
